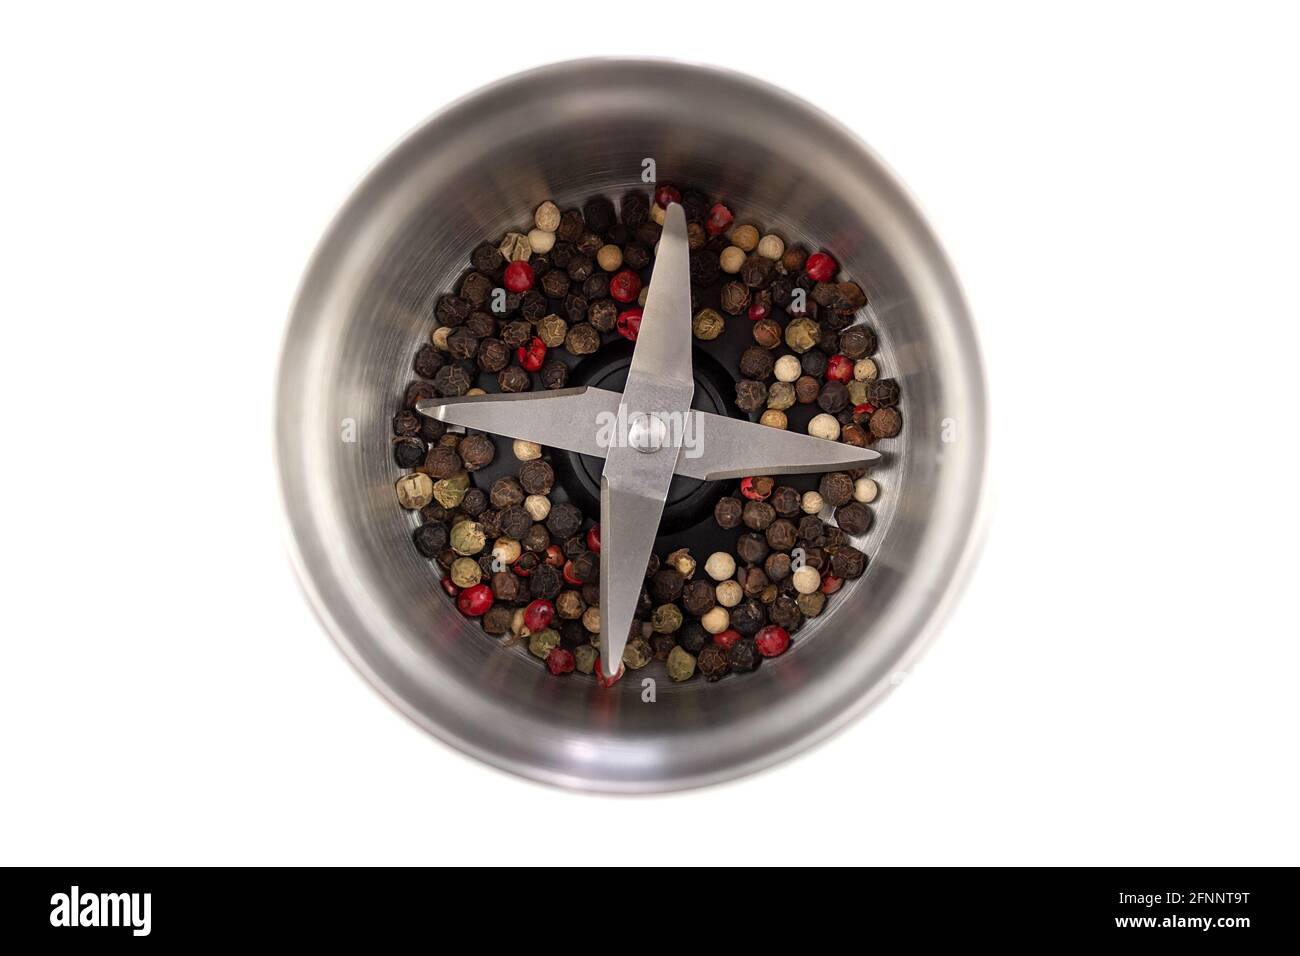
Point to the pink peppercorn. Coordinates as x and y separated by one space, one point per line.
568 575
532 355
554 556
625 286
839 368
831 584
725 639
756 489
666 194
758 311
449 585
559 661
475 601
629 324
820 267
593 538
602 679
772 640
538 615
519 276
720 219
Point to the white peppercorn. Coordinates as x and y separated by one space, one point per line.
720 566
864 370
506 550
773 418
547 217
771 247
729 593
527 450
787 368
811 503
541 241
591 619
440 336
716 621
865 490
537 506
609 257
824 426
744 237
732 259
806 580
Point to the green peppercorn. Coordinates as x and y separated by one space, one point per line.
802 334
465 572
584 658
449 492
638 653
708 324
681 664
543 642
468 538
666 618
414 491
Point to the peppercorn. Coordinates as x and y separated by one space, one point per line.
564 521
752 580
474 503
834 397
476 451
731 259
408 452
780 396
748 616
430 538
727 512
638 653
751 395
865 490
428 360
585 567
554 374
756 363
728 593
451 310
757 272
505 492
467 538
513 379
757 515
704 267
535 537
885 423
556 283
811 527
406 424
757 487
537 477
848 563
824 426
708 324
752 548
883 393
414 491
580 268
853 518
811 605
681 664
452 380
712 662
781 534
602 314
515 522
628 324
545 582
836 488
735 298
777 565
508 587
532 305
569 605
582 339
698 598
802 334
666 618
767 333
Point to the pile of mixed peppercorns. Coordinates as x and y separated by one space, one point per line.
525 562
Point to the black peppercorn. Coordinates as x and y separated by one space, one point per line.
810 529
506 492
508 586
537 477
834 397
785 612
571 226
406 424
693 637
536 539
408 452
556 284
516 334
807 389
533 306
554 374
757 271
475 288
487 258
734 297
785 500
748 616
428 360
512 378
728 512
583 339
451 310
417 392
811 604
782 534
752 548
753 580
636 256
603 314
663 645
575 307
474 503
666 585
598 212
430 538
476 451
848 563
836 488
564 521
704 268
712 662
596 287
813 363
493 355
434 512
758 515
777 565
756 363
585 567
442 461
545 582
885 422
751 396
853 518
698 597
515 522
497 620
634 209
580 268
883 393
462 344
743 656
452 380
768 333
858 341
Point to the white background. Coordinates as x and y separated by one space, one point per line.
1118 190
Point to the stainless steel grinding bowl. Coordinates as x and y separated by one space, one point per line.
474 171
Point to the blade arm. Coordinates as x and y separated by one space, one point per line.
569 418
721 447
